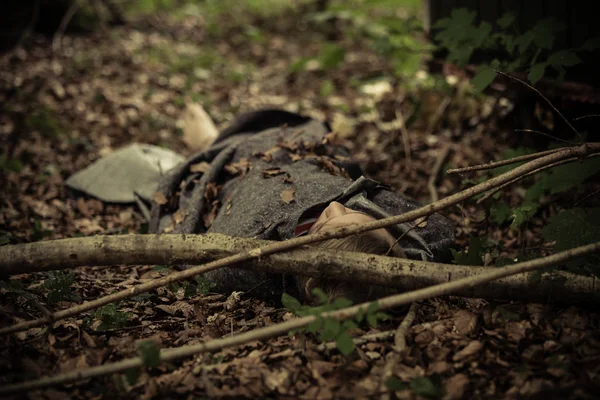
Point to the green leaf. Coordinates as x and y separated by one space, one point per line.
536 72
320 294
203 284
591 44
331 56
132 375
395 384
190 290
564 58
344 343
573 228
160 268
506 20
500 212
4 239
484 77
330 329
341 302
470 257
423 386
521 215
149 352
327 88
290 302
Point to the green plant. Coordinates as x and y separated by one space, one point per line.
393 35
531 51
328 328
58 285
111 317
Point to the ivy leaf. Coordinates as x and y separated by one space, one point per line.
483 78
564 58
536 72
344 343
506 20
150 353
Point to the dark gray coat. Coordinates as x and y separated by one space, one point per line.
284 152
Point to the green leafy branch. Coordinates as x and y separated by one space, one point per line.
531 51
327 328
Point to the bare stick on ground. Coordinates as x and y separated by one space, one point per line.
395 355
282 328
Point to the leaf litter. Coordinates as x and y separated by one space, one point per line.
100 92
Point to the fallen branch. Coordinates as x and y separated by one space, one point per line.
172 354
7 252
404 274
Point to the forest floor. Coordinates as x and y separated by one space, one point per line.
63 109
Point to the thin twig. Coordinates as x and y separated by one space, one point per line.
587 116
438 114
171 354
546 99
547 135
586 197
405 136
501 163
58 35
368 338
435 173
7 253
399 345
503 186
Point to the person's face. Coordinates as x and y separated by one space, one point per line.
336 215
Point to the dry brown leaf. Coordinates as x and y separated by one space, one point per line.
160 199
470 350
181 307
287 195
465 322
178 216
199 131
200 167
269 172
456 387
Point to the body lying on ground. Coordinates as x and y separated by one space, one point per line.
276 175
270 175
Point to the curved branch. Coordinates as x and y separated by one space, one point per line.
172 354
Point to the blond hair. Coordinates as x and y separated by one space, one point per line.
365 242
